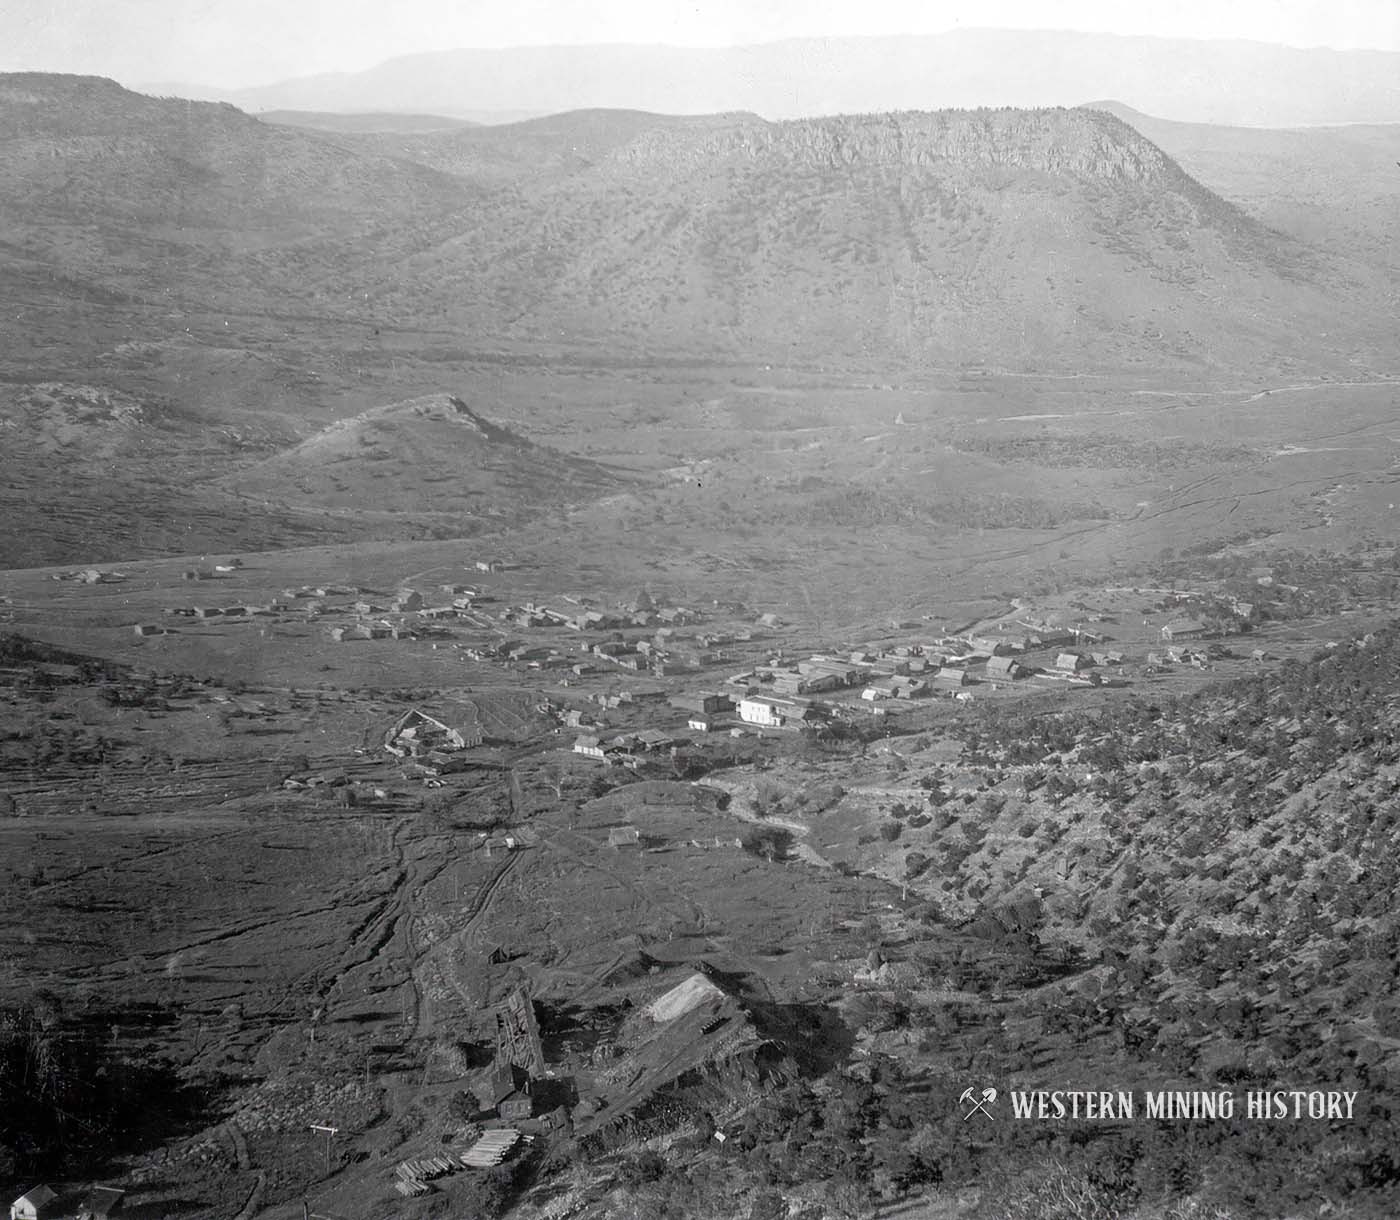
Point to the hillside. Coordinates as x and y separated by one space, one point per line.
243 285
1335 186
162 197
1056 238
1060 238
1184 893
539 148
431 456
1212 81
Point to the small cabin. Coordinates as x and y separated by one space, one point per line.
39 1203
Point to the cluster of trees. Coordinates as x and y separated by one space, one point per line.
1234 857
70 1096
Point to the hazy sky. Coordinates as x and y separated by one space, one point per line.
234 43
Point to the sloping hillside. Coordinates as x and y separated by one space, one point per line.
432 455
198 200
1055 238
1059 238
1336 186
551 146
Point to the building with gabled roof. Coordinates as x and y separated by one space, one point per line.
774 712
415 734
1183 629
38 1203
951 676
590 745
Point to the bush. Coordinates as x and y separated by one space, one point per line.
646 1166
770 842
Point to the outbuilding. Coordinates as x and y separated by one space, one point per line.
39 1203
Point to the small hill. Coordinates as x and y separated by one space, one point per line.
432 456
1334 186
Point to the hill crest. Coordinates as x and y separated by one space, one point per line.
433 456
1083 143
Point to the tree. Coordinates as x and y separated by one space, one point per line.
770 842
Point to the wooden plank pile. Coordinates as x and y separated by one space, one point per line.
428 1168
414 1176
491 1149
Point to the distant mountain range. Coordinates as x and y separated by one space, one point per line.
316 120
1229 82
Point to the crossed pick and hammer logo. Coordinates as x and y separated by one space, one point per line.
975 1101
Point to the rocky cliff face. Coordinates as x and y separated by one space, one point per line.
1079 143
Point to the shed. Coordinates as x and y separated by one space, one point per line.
38 1203
624 836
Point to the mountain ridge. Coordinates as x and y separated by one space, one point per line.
1234 81
1002 237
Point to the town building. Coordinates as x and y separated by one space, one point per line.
1183 629
415 734
774 712
1003 667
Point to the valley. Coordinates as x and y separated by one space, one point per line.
614 665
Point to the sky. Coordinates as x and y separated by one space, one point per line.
234 44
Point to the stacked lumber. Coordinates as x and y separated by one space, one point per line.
428 1168
491 1149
